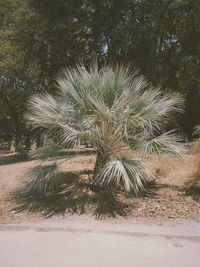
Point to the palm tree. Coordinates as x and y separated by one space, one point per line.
114 110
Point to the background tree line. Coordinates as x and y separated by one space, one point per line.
40 37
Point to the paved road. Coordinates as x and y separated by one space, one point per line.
99 244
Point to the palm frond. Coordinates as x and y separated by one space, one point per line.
70 197
47 111
154 110
41 179
168 142
129 173
51 150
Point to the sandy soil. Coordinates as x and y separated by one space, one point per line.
171 173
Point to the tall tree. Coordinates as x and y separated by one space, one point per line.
161 38
18 77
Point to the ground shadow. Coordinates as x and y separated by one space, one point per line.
12 159
23 157
73 196
173 187
76 152
193 190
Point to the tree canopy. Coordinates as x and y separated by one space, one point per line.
40 37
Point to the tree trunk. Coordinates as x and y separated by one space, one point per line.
11 145
18 139
18 133
101 160
28 139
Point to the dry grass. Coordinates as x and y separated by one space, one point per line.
196 173
193 184
169 169
194 146
195 151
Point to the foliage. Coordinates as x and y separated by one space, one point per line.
72 197
161 38
38 192
42 179
112 109
130 173
50 150
18 76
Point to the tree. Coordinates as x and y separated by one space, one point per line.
57 35
19 77
114 110
161 38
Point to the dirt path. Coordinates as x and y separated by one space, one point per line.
85 242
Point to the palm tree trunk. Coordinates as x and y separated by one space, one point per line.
101 160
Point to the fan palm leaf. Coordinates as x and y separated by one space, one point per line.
42 179
129 173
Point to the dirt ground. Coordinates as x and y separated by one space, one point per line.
172 175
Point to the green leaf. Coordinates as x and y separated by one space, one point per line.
128 173
168 142
43 179
51 150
